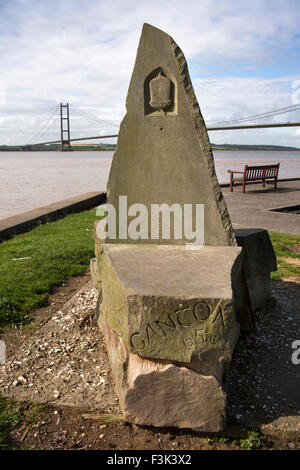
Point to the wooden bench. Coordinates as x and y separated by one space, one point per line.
255 173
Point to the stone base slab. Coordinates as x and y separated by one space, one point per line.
170 303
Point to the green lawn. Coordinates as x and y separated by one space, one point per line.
55 250
287 249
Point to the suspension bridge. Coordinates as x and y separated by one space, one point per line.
63 111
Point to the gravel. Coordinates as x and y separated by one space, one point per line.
65 362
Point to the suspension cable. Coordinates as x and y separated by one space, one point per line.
44 128
275 112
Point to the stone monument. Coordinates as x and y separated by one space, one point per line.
172 295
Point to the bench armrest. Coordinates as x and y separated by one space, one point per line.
232 171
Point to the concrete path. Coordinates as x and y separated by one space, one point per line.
253 209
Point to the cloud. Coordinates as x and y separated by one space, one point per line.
235 98
84 53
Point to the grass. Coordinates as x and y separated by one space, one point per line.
32 415
55 251
285 247
10 417
253 441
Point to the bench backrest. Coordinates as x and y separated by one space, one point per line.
261 171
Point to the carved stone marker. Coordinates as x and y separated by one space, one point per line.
168 313
163 153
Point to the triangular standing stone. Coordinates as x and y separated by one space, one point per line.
163 153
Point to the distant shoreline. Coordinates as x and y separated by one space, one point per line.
56 147
253 147
112 147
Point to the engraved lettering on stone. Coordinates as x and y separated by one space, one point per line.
148 331
134 344
160 93
202 311
182 316
187 341
203 338
159 323
178 322
219 314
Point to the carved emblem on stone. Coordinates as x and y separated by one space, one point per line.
160 93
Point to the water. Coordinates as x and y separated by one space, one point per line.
33 179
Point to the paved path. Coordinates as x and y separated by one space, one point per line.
252 209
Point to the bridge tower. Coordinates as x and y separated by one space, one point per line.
64 127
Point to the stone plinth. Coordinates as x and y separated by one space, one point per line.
259 262
168 315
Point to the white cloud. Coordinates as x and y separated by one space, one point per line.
234 98
84 52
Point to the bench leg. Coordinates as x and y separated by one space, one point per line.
263 183
244 184
231 183
275 183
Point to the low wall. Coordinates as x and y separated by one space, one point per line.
26 221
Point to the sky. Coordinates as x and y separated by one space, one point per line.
243 58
